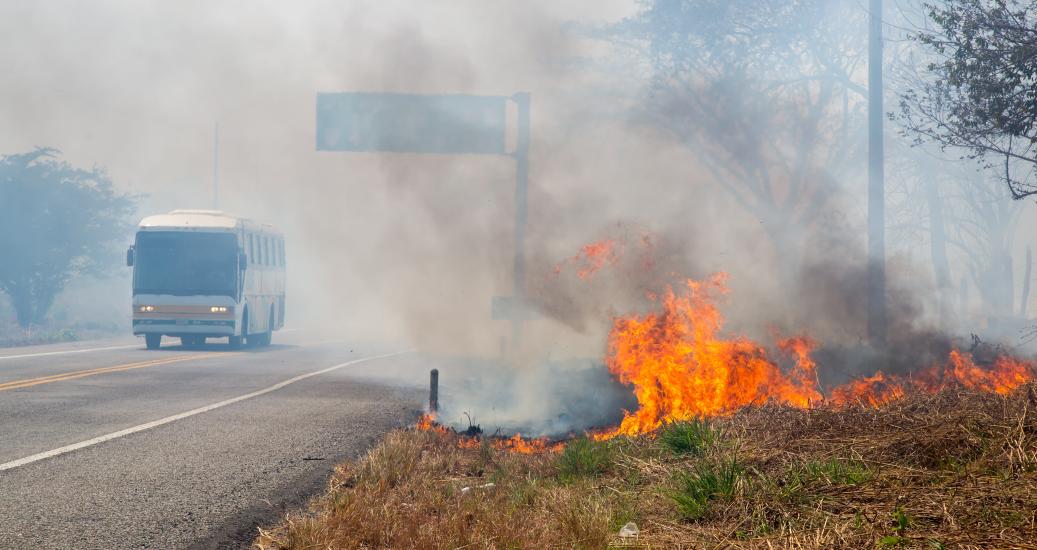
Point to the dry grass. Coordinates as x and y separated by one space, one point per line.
954 470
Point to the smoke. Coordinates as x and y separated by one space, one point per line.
410 249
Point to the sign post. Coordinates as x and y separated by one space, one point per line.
521 155
437 124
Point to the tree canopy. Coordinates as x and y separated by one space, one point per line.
56 222
980 94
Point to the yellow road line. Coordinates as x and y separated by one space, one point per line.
16 384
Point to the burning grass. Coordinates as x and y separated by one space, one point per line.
681 366
953 469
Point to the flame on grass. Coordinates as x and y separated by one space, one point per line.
515 443
428 423
680 367
1004 375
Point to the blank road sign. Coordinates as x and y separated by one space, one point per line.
411 123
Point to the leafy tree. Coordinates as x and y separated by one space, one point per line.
981 94
56 222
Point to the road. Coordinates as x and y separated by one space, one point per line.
108 445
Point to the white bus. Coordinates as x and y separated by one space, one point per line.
201 274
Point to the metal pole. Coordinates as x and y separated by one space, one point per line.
216 167
876 185
521 155
433 391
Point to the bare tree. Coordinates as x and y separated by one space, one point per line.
764 93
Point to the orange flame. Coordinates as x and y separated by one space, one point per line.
680 368
1006 374
593 257
515 443
428 423
874 391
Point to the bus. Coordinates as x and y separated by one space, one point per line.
200 274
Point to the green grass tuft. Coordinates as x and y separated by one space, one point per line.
584 457
688 437
707 482
837 472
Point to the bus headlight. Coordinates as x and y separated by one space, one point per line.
145 309
218 309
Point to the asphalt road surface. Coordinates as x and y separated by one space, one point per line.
108 445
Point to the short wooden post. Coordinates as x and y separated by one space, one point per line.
433 391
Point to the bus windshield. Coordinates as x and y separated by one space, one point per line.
184 263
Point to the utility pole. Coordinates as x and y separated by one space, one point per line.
876 185
216 167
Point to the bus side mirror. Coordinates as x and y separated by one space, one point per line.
242 261
129 257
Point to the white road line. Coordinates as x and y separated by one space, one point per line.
155 423
2 357
64 352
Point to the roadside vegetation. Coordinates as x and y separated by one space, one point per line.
35 336
954 470
58 223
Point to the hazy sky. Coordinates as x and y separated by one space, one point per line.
137 86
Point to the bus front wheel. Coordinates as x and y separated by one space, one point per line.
153 341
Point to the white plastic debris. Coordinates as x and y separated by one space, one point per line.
629 531
465 490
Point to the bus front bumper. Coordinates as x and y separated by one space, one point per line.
171 327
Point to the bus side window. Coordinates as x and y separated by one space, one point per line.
266 251
251 249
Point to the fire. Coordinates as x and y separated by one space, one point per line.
1006 374
680 367
592 257
874 390
428 423
515 443
528 446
